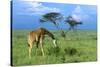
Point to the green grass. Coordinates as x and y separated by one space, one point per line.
80 46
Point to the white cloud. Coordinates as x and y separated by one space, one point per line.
76 17
78 14
77 10
38 8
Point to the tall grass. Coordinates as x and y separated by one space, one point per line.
76 47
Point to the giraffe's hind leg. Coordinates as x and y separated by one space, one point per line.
30 49
30 43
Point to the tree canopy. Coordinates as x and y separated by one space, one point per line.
72 22
52 17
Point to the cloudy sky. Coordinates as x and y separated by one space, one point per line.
26 14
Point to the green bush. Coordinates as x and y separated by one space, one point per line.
53 51
70 51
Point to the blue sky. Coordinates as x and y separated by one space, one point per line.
26 14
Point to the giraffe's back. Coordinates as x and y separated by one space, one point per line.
36 33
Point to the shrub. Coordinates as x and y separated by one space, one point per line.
54 51
70 51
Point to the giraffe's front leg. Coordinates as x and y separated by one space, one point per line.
41 44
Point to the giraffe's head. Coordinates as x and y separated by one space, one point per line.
55 42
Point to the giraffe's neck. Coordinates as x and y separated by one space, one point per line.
50 34
46 32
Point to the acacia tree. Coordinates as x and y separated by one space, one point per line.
72 22
54 18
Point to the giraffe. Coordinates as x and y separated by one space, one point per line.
38 36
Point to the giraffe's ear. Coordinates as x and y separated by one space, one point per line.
55 43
